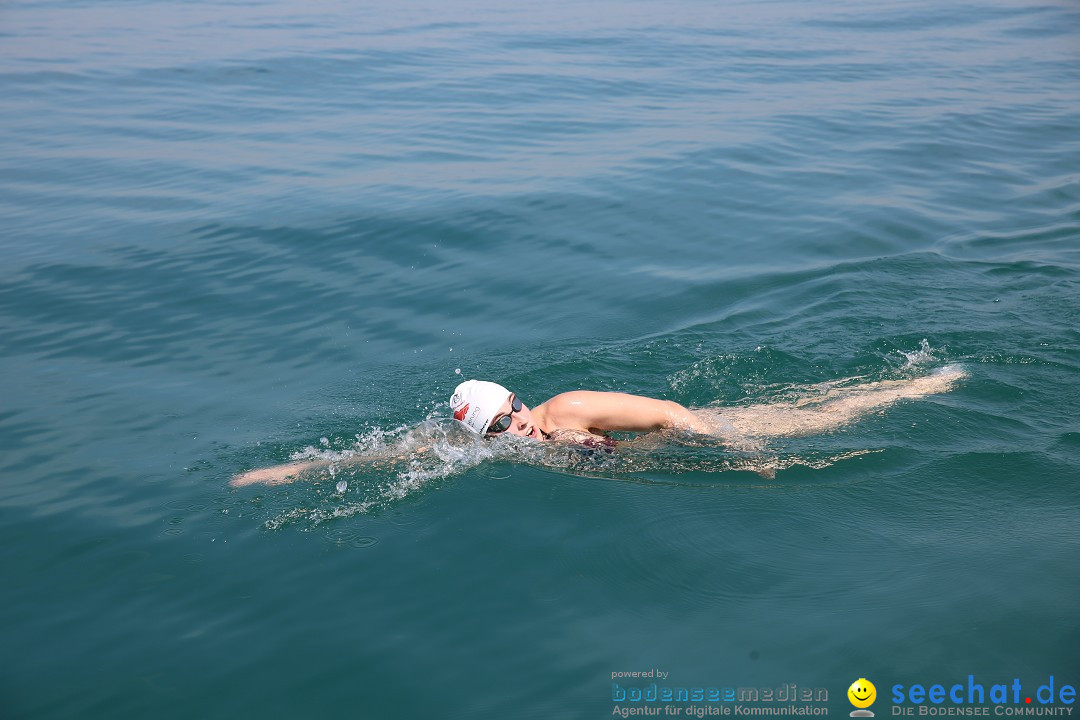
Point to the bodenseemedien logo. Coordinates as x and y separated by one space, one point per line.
862 694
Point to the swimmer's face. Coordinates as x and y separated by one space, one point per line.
521 421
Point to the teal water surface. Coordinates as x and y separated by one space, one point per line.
238 233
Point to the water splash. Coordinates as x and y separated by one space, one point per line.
383 466
919 358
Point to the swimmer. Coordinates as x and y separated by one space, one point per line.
487 409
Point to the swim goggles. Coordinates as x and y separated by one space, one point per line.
503 424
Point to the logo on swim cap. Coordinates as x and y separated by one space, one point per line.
460 413
475 402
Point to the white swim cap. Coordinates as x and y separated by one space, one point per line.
476 402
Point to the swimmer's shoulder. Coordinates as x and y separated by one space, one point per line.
568 420
571 409
597 412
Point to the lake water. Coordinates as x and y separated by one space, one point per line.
237 233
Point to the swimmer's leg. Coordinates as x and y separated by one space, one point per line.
838 407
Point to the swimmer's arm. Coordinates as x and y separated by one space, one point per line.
592 411
278 474
290 472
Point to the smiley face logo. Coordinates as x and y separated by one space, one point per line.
862 694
